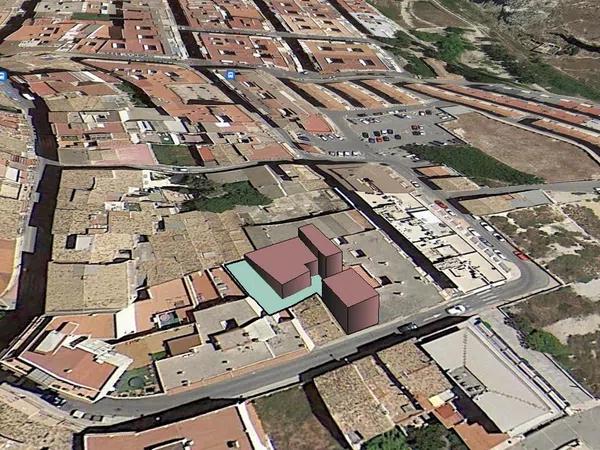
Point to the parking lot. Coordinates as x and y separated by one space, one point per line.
382 132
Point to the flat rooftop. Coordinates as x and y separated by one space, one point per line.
283 261
503 392
263 294
319 240
350 287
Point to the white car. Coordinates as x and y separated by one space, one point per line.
415 184
456 310
473 232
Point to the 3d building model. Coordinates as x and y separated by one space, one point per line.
288 266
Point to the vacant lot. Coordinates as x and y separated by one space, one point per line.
528 152
475 164
555 239
573 319
173 155
429 13
293 422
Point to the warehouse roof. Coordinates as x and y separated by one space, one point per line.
511 400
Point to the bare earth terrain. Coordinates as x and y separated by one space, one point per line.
528 152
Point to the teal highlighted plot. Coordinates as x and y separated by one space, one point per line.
263 294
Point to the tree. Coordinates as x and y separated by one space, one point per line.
430 437
542 341
392 440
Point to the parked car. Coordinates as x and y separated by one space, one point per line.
415 184
54 399
386 138
397 137
390 131
376 133
473 232
407 327
365 135
441 204
371 140
522 256
456 310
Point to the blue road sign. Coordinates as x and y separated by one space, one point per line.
3 75
230 74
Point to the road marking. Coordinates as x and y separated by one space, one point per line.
427 319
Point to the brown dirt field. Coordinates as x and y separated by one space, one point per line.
293 423
526 151
428 12
581 67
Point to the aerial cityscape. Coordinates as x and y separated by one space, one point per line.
299 224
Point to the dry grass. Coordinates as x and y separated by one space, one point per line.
291 424
523 150
430 13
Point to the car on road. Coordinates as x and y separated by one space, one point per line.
456 310
500 254
522 256
597 190
54 399
407 327
473 232
499 237
486 226
485 242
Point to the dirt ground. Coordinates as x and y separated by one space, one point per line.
292 422
431 14
575 321
526 151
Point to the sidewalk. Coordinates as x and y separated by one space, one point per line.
573 394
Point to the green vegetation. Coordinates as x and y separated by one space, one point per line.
582 267
398 45
473 163
392 440
416 66
91 16
580 355
158 355
173 155
585 217
290 419
434 437
427 37
233 194
532 70
541 340
136 380
137 96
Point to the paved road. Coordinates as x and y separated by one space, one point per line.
585 426
532 279
282 34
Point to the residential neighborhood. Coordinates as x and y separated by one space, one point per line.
298 225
